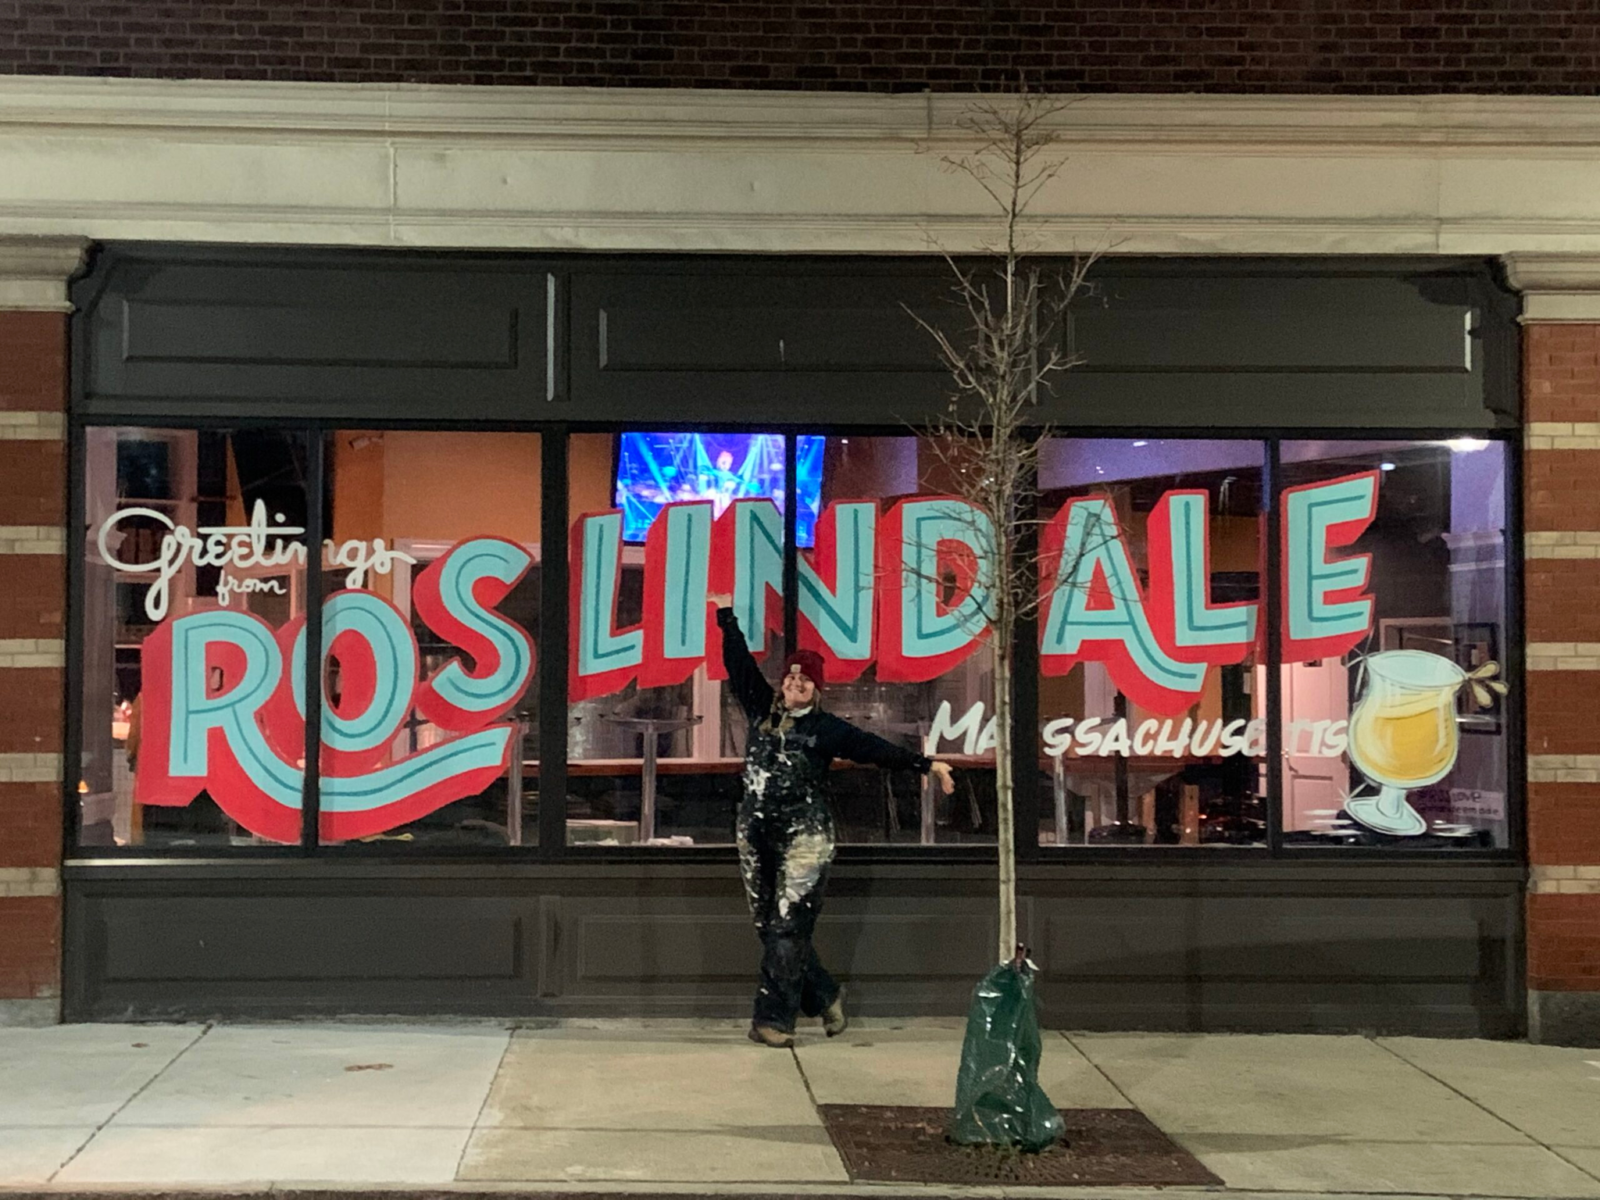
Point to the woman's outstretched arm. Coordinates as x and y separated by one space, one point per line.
750 686
843 740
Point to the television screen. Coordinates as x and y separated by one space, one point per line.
654 469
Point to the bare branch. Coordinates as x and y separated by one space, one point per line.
987 446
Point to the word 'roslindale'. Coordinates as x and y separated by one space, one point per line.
224 693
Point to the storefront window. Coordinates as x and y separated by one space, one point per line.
653 746
926 682
1394 704
194 581
1151 701
430 635
661 520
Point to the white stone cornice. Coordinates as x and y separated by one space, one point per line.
34 271
1556 287
726 116
638 169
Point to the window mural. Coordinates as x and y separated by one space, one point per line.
1394 702
1151 636
194 582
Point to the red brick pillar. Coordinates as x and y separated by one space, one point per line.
33 514
1561 485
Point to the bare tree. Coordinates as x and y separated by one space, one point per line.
1002 365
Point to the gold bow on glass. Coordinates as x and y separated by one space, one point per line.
1483 682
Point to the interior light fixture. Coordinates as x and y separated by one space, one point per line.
1466 445
1386 466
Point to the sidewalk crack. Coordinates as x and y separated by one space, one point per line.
1515 1128
121 1108
461 1160
1099 1070
805 1079
816 1109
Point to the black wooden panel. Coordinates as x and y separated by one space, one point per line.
663 943
372 939
1268 400
366 336
175 331
312 334
1314 957
283 950
941 939
1328 938
766 323
1196 344
757 341
1197 946
1248 323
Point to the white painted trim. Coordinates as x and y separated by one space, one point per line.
29 881
23 426
1564 768
1556 287
1581 543
1563 656
1566 881
30 768
34 270
636 169
32 652
32 539
721 116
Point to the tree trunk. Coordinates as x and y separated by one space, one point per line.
1005 816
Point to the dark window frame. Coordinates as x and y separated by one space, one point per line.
552 845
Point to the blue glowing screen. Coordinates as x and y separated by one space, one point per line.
654 469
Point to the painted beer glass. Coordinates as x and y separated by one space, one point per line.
1416 693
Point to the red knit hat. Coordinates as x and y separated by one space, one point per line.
810 664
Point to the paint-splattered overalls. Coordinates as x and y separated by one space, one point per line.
785 829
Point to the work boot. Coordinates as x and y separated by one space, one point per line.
834 1022
765 1035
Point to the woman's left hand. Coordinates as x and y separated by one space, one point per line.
947 780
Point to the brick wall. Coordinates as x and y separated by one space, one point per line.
1354 46
1562 498
33 397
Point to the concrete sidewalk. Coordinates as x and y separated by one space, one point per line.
692 1106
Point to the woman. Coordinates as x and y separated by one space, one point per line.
785 827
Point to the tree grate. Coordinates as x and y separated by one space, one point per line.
882 1143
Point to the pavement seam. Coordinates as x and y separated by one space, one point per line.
1415 1066
816 1109
1099 1070
121 1108
461 1159
794 1053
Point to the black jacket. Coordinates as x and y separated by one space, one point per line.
824 736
